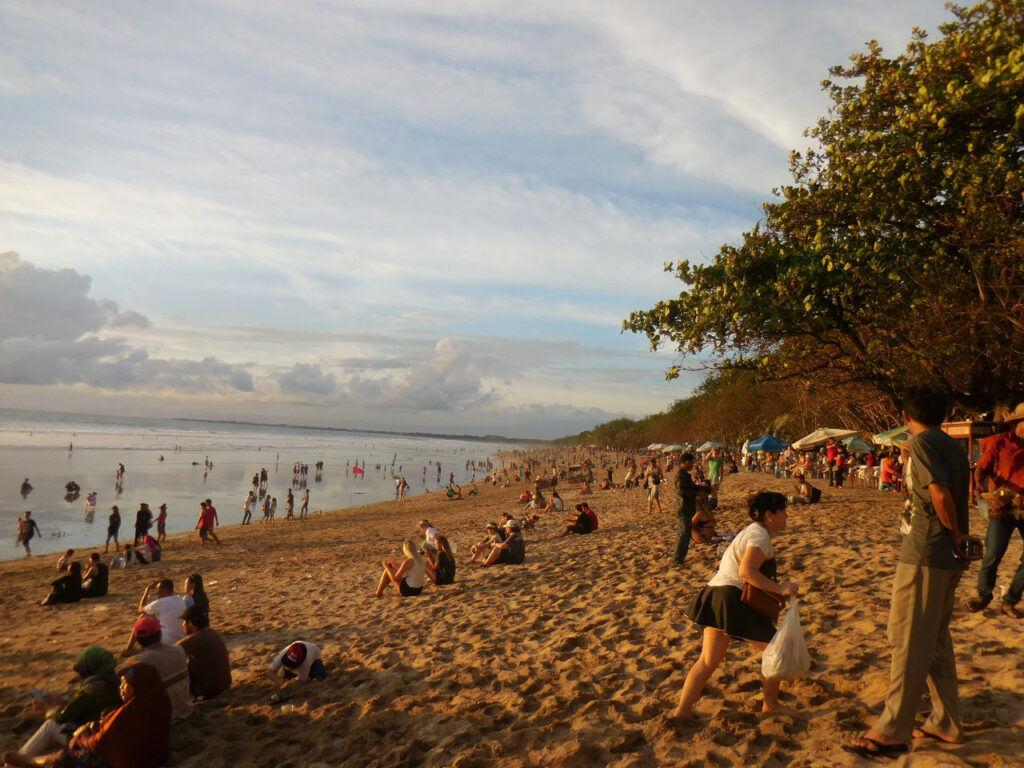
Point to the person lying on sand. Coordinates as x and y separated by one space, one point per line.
407 578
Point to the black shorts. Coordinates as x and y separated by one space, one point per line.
408 591
507 558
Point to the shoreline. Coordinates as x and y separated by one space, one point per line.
570 659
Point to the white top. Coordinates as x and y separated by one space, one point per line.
754 535
431 535
301 671
556 502
416 575
168 610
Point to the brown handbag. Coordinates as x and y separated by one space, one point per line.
768 604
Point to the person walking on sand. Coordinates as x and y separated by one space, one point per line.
1002 463
935 544
304 509
113 527
207 521
27 528
247 506
653 487
720 610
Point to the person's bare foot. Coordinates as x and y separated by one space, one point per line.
779 711
1011 611
921 733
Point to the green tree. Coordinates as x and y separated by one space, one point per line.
895 257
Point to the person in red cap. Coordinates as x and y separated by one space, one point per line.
169 660
299 661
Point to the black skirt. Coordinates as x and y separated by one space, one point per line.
722 608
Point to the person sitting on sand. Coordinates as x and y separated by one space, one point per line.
150 549
430 534
454 494
718 607
96 578
65 560
95 692
66 589
538 501
407 578
581 523
704 524
483 547
195 593
805 492
555 504
512 551
527 497
299 661
473 490
440 563
168 658
209 669
167 608
114 741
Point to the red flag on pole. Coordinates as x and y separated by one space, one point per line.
356 471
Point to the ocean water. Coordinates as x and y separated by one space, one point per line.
165 463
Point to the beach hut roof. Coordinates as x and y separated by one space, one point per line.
819 437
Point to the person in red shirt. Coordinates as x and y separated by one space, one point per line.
1002 464
207 522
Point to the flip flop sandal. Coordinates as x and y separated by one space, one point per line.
877 749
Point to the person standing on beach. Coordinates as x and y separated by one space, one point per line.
304 509
113 527
143 522
289 505
1002 464
27 528
935 539
90 506
653 487
161 524
686 506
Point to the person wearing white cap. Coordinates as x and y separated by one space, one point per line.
1002 464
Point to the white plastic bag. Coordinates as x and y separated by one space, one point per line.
786 656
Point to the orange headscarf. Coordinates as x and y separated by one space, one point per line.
138 733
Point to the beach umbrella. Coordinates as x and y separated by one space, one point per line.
767 443
857 445
671 448
655 446
897 436
819 437
709 445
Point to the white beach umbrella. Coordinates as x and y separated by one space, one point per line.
821 436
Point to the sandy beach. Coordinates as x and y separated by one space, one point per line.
571 659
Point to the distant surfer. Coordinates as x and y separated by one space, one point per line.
26 488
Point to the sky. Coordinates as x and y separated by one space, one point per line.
417 216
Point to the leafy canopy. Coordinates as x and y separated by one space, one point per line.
895 257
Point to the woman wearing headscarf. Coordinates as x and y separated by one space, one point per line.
135 735
96 693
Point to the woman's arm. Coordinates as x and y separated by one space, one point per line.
750 572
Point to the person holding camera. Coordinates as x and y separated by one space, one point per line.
933 554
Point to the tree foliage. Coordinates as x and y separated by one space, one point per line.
895 257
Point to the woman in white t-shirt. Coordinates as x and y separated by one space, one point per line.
719 609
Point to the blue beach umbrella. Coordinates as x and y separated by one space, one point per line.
769 443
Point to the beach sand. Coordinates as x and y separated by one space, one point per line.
572 659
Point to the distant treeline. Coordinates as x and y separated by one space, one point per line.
732 406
